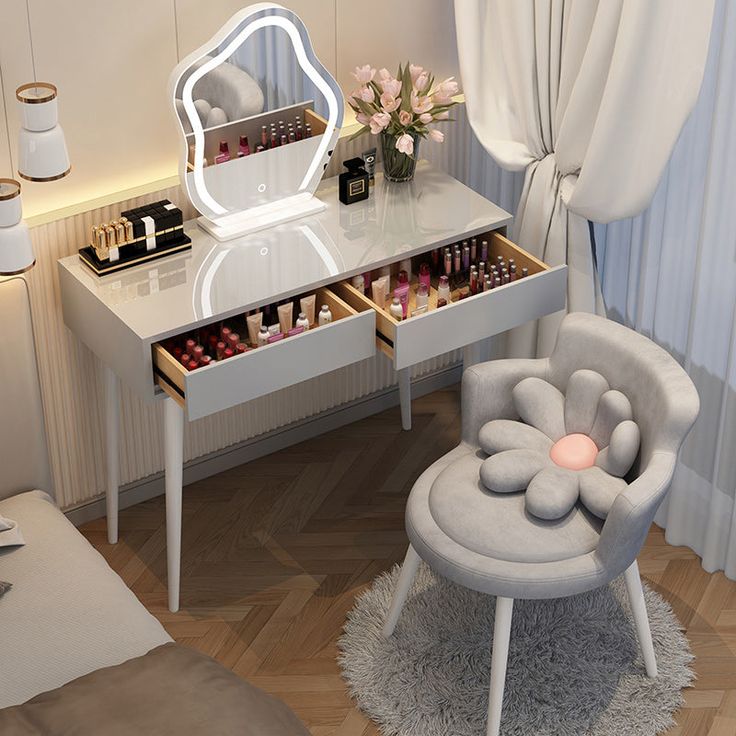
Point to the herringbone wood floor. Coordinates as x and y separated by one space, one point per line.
274 552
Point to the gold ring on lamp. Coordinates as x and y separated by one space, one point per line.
27 100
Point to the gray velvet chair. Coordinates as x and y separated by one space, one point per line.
488 542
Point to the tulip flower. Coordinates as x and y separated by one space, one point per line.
364 74
366 94
378 122
389 103
405 144
391 86
363 119
421 82
444 91
436 135
425 118
444 115
420 104
404 117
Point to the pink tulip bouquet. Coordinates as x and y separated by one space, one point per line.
401 109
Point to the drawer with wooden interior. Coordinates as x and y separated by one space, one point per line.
462 311
246 356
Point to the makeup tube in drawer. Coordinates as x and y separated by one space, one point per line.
287 360
537 290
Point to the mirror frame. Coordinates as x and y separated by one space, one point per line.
225 224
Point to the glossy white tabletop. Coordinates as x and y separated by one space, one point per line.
217 280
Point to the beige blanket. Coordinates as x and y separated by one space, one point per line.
170 690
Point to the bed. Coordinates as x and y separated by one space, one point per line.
80 653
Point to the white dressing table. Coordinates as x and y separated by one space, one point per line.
122 318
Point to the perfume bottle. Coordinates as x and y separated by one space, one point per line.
443 290
422 296
353 183
325 316
436 261
473 280
262 338
224 154
401 292
424 275
396 310
302 321
243 147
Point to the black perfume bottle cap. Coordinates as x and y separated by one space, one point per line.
354 165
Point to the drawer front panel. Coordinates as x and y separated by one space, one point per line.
477 317
465 321
230 382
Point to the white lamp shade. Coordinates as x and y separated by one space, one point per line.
42 153
11 209
16 250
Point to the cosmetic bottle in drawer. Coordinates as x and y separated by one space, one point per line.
225 364
475 309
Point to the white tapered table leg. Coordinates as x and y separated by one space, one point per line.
112 452
406 578
405 397
174 459
499 659
641 620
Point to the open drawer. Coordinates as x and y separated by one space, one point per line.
468 320
350 337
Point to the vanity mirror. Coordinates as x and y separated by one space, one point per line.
259 116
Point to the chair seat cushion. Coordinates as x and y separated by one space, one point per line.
498 526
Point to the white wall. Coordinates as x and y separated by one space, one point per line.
111 61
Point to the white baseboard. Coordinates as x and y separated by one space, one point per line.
265 444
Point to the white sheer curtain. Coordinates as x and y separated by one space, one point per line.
671 274
588 97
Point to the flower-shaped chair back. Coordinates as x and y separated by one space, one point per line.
663 398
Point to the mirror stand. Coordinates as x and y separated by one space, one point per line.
260 218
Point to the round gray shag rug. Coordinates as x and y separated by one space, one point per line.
574 667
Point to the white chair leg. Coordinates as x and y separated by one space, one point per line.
406 578
639 609
499 659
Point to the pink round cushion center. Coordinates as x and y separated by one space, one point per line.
574 451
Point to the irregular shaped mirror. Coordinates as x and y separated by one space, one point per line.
259 116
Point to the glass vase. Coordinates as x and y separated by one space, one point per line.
398 166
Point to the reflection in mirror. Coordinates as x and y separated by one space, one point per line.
256 263
259 116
